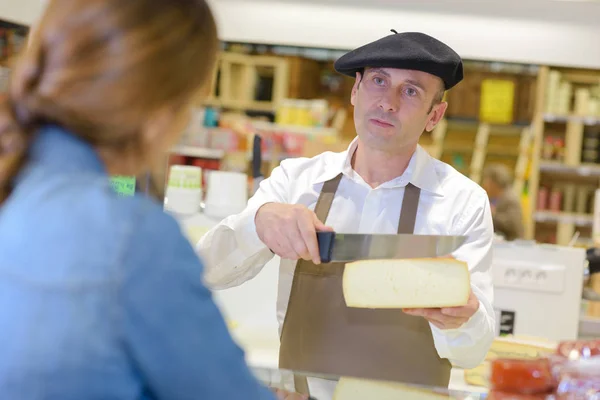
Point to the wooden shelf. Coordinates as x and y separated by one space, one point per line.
236 80
564 217
199 152
259 106
297 129
591 170
495 129
585 120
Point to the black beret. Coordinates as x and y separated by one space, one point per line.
407 50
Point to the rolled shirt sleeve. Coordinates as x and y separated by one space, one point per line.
232 250
467 346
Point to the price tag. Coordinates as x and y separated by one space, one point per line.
123 185
497 101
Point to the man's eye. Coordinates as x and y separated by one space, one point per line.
411 92
378 81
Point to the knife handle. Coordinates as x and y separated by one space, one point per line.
325 240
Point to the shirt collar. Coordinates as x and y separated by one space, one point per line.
421 170
55 146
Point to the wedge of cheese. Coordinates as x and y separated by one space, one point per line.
407 283
361 389
521 347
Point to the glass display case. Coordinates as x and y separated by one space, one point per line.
324 387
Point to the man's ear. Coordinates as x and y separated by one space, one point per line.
355 88
437 113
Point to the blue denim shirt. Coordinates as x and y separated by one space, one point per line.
101 296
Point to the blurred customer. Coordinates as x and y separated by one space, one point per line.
506 206
100 296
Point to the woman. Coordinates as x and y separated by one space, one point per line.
100 296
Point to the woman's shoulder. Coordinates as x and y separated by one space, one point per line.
87 208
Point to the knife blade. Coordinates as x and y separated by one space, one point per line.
345 247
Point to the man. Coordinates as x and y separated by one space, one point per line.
507 213
384 177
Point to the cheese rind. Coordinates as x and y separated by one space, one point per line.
407 283
361 389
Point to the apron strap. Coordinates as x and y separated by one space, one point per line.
322 211
410 205
326 198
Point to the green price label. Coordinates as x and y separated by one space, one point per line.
123 185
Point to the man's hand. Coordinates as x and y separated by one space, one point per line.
285 395
448 318
289 230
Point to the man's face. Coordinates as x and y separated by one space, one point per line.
392 107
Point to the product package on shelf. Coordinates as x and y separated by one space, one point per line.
553 148
283 141
590 151
206 164
566 95
313 113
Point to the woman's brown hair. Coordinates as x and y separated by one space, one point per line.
100 68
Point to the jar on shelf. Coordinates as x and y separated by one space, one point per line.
548 149
555 200
542 198
318 110
559 149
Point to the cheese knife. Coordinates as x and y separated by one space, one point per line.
346 247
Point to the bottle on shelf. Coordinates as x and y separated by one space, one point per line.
555 200
542 198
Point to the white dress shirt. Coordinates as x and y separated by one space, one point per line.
450 204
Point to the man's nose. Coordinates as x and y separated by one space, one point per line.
389 102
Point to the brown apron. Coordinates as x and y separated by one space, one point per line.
321 335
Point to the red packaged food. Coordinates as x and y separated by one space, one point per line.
557 363
522 376
580 380
579 349
496 395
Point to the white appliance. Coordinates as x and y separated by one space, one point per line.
537 289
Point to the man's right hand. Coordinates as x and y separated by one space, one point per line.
289 230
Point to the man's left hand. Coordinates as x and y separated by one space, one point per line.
448 318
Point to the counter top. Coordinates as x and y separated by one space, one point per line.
351 388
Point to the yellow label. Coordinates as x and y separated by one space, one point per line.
497 101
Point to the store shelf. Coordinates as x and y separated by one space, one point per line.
564 217
579 170
553 118
199 152
495 129
296 129
258 106
458 148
